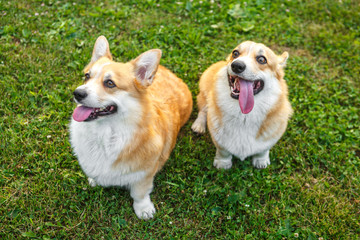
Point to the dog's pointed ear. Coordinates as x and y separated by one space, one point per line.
146 65
283 58
101 49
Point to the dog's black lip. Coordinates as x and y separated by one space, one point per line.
231 84
257 90
95 115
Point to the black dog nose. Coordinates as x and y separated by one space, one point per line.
238 66
80 94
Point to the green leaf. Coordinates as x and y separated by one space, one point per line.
9 29
121 222
246 26
26 33
188 6
237 12
234 198
218 25
260 2
29 234
215 210
50 224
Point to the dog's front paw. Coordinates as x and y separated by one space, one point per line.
92 182
224 164
144 210
260 162
199 126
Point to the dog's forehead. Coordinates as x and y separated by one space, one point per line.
108 74
246 45
120 70
99 67
121 73
249 47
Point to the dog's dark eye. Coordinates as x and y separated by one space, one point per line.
87 76
261 59
109 83
235 53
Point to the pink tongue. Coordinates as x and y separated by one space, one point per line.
81 113
246 96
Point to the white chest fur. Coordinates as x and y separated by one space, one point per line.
97 146
237 132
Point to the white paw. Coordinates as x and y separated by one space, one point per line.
260 162
144 210
92 182
224 164
199 126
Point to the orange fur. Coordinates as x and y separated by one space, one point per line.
207 82
275 116
167 105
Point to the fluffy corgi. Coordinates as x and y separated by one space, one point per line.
244 101
126 122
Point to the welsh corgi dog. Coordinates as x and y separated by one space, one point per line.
126 122
244 101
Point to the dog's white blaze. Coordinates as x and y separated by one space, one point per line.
92 99
243 143
108 75
98 143
251 48
98 69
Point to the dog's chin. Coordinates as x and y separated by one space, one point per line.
258 85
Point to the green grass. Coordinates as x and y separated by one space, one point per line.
311 189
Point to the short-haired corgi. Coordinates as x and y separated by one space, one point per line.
127 120
244 101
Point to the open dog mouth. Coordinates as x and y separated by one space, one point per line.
234 82
244 90
83 113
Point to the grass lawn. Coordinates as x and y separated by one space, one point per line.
310 191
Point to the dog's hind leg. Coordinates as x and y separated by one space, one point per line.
199 126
